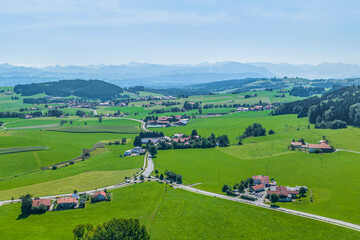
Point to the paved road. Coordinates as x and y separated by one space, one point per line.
150 166
143 127
284 210
345 150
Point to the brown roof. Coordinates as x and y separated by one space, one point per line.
296 143
258 187
320 146
282 191
263 179
38 202
67 200
99 193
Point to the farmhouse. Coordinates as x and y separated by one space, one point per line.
323 147
99 196
67 203
260 179
258 188
39 202
285 194
296 144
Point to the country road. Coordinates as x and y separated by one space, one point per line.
146 172
279 209
345 150
148 168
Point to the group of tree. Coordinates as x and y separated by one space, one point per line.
63 88
254 130
190 106
173 177
244 184
306 91
151 134
115 229
26 206
80 113
335 109
54 113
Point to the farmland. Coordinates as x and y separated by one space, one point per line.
150 203
326 175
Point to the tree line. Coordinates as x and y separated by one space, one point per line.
335 109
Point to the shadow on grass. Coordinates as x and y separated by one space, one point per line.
24 216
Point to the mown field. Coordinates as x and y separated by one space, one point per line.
63 146
174 214
329 176
103 168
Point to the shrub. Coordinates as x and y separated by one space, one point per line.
54 167
247 198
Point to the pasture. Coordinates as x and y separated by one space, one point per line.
103 168
171 213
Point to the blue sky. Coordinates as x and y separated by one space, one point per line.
78 32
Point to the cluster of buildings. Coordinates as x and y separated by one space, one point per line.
134 152
71 202
321 146
255 108
168 121
286 194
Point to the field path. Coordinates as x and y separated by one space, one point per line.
39 126
345 150
149 168
143 127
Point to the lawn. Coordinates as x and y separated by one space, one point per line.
63 146
102 169
330 177
174 214
124 129
22 149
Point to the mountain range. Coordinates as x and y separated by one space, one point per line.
160 76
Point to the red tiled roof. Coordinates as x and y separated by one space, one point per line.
38 202
263 179
258 187
320 146
66 200
282 191
99 193
296 143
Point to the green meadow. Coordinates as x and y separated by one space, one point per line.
103 168
172 214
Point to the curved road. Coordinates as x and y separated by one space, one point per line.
148 168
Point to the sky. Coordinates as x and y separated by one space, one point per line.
79 32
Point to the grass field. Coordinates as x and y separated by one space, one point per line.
331 177
102 169
97 129
171 215
22 149
63 146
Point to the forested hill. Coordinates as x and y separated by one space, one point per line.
335 109
64 88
